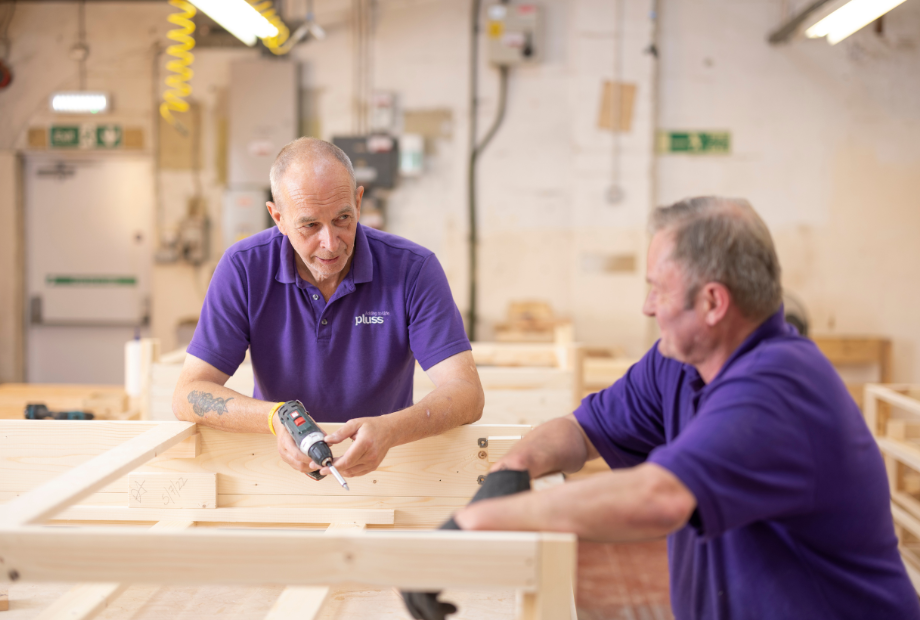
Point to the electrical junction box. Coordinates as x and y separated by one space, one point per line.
375 159
514 34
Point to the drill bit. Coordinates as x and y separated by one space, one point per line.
338 476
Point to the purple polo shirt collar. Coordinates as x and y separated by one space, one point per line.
362 266
774 326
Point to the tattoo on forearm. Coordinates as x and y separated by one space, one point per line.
202 402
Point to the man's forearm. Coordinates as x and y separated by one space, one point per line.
447 406
557 445
639 503
220 407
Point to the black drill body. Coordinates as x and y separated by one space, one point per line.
307 435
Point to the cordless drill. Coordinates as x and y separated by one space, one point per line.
309 438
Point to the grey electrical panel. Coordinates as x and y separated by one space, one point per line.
263 118
514 33
375 159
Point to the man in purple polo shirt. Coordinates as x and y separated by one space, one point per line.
733 436
334 315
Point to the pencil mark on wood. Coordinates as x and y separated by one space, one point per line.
138 490
202 403
173 491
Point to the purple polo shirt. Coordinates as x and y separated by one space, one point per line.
793 516
351 357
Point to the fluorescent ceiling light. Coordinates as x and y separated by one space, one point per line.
239 18
849 18
80 102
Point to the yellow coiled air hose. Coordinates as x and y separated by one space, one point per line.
276 44
177 84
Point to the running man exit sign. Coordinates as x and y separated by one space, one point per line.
695 142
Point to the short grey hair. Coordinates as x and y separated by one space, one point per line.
723 240
306 149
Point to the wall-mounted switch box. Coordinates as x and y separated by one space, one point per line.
514 33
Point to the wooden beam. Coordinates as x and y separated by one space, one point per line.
903 452
79 482
87 600
305 602
499 446
553 598
248 464
415 561
890 396
906 520
374 516
188 448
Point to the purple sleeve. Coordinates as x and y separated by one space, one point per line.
744 457
222 335
435 326
623 421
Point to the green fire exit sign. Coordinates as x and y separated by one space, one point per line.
65 136
695 142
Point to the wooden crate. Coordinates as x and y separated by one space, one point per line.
892 413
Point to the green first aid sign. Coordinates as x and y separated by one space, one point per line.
65 136
108 136
695 142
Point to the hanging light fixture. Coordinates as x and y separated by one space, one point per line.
239 18
81 102
849 18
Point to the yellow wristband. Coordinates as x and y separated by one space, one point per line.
271 426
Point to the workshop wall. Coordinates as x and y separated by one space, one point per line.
546 227
824 144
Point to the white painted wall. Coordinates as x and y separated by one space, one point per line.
825 145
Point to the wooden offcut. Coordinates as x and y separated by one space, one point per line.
617 103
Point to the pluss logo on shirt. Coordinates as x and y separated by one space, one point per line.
363 319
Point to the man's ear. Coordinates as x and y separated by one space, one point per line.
717 299
359 194
275 212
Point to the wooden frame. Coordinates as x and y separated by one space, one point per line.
75 472
892 413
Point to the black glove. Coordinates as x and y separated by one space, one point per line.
425 605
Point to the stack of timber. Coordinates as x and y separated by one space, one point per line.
523 383
532 321
105 402
182 483
892 413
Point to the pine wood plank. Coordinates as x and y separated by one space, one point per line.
417 560
229 515
305 602
553 598
79 482
248 464
87 600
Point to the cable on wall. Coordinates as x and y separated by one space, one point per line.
476 150
177 84
277 45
